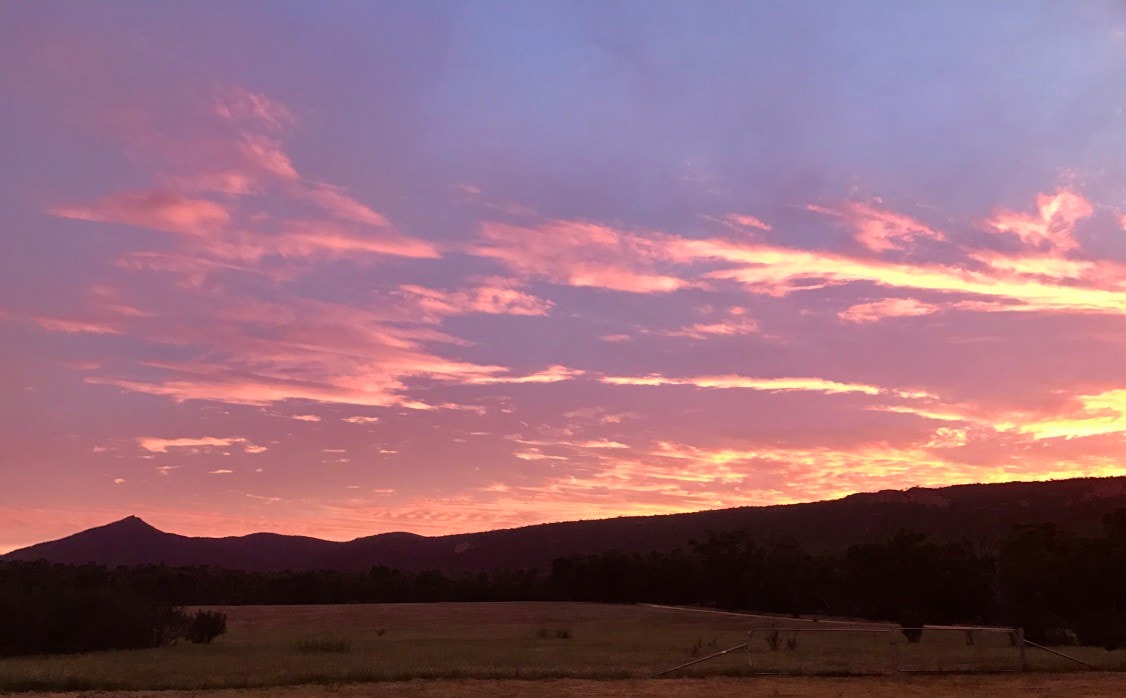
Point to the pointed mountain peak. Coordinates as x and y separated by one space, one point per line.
131 523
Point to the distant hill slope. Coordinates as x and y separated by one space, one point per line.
983 514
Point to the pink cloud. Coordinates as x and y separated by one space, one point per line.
889 307
241 105
880 229
579 253
747 221
724 327
551 374
156 210
495 296
73 326
344 207
266 155
260 353
1053 224
158 445
255 167
311 238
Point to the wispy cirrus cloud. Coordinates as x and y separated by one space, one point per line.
781 271
461 346
745 220
493 296
236 103
879 229
579 253
887 308
168 211
251 168
729 382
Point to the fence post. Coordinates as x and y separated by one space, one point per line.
894 654
1023 658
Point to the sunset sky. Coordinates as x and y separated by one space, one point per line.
337 269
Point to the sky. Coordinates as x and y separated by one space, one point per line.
336 269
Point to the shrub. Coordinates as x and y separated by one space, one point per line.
1060 636
561 633
314 645
205 626
774 640
65 620
911 625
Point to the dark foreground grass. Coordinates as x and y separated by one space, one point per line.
1087 684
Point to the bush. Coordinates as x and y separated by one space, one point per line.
1106 629
561 633
205 626
911 625
315 645
1060 636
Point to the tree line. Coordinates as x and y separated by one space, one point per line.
1049 582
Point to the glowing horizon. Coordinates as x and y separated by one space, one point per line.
343 270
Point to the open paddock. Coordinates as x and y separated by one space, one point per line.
1089 685
473 645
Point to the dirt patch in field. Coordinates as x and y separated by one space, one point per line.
1069 685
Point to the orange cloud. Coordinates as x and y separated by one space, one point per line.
361 420
747 383
1097 414
947 437
157 445
780 271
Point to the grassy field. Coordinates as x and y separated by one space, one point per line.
341 645
1089 685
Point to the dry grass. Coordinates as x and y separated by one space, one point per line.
1091 685
269 647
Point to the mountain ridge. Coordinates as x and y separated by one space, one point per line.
982 513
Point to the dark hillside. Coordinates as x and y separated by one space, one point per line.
981 514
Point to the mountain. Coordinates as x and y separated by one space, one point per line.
983 514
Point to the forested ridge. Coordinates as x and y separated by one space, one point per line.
1041 578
